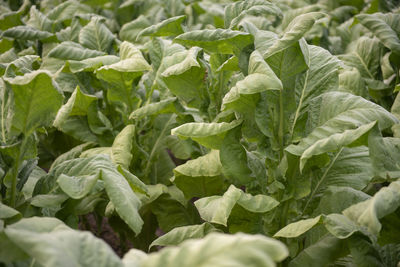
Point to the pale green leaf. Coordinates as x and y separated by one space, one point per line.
36 101
216 41
125 201
261 78
217 209
321 76
7 212
298 228
27 33
77 105
95 35
180 234
364 57
73 51
130 30
208 134
54 244
220 249
161 107
77 187
235 12
368 213
294 32
67 10
337 125
340 226
200 177
381 30
91 64
169 27
122 146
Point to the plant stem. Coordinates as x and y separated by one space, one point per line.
14 183
281 118
153 180
321 181
18 160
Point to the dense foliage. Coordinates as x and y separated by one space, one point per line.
233 133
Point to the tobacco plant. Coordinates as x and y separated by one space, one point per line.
208 133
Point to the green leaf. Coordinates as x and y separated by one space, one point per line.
161 107
321 253
117 187
340 226
130 30
121 75
289 62
384 153
122 146
344 124
261 78
364 57
180 234
200 177
67 10
169 27
294 32
321 76
95 35
125 201
298 228
171 208
77 105
368 212
233 158
235 12
77 187
218 249
216 41
91 64
36 101
73 51
185 78
7 212
209 135
382 30
335 199
39 21
217 209
27 33
51 243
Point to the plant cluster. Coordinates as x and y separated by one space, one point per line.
232 133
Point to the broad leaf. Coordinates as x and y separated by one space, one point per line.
200 177
294 32
51 243
298 228
169 27
180 234
369 212
235 12
36 101
209 135
218 249
73 51
95 35
382 30
217 209
216 41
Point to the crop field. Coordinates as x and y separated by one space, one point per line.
199 133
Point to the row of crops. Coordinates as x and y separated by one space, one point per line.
200 133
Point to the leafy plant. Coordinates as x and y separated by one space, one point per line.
229 132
